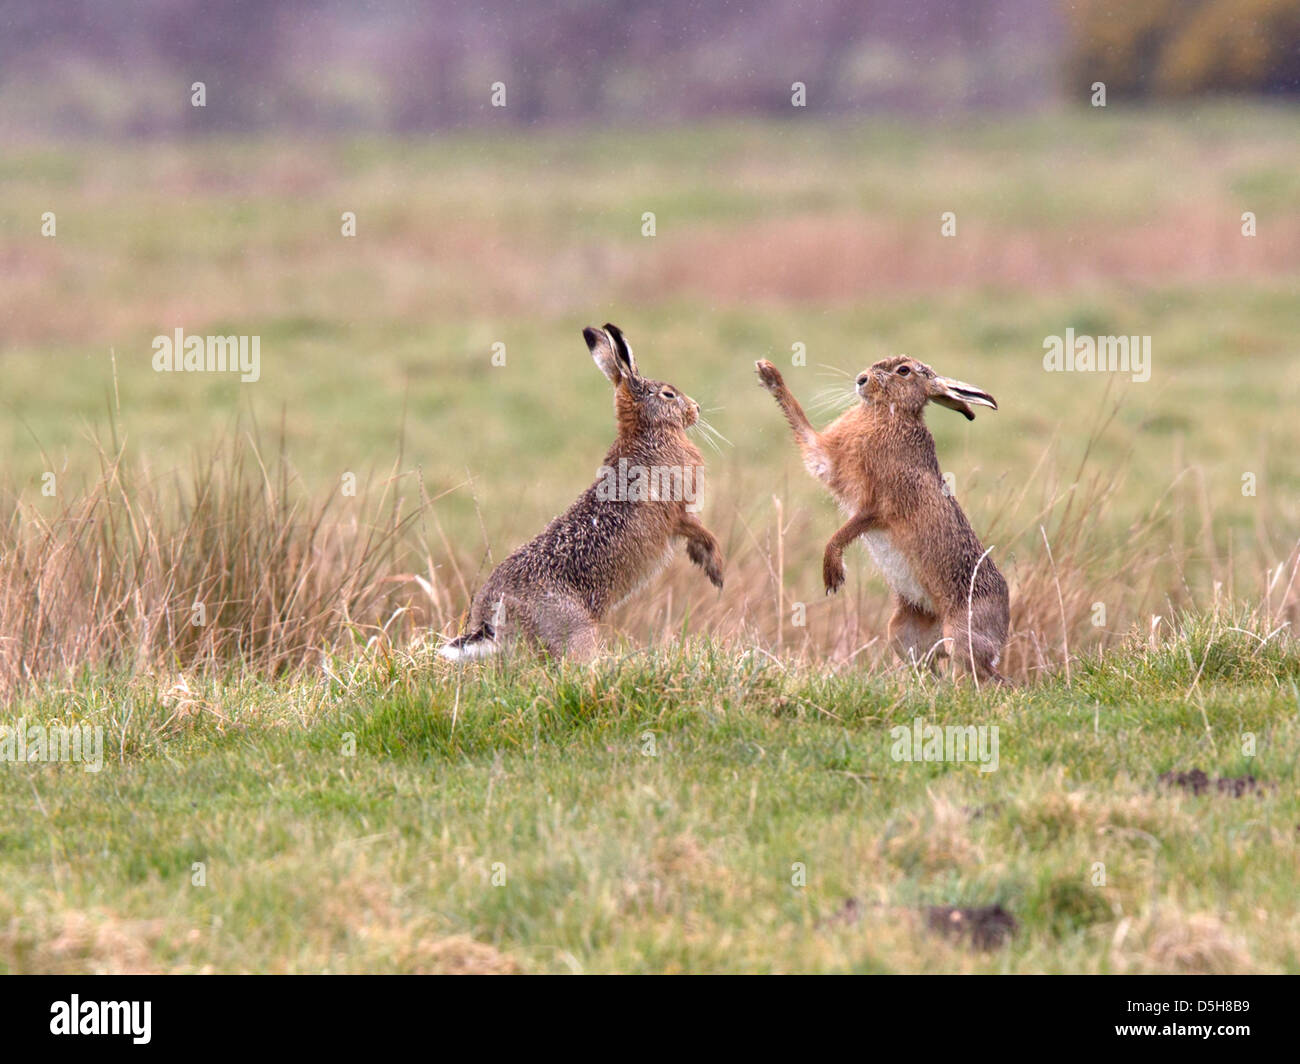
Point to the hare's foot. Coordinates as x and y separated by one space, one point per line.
566 629
769 376
702 547
833 569
859 524
710 560
973 650
916 635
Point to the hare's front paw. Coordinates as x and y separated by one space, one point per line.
769 376
708 560
714 572
832 571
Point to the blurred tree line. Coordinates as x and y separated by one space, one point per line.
100 67
1183 47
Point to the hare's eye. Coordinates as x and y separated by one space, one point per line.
667 394
903 371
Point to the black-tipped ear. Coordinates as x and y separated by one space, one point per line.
954 403
958 395
623 350
601 346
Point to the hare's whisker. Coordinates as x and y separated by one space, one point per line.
714 432
833 395
833 399
704 436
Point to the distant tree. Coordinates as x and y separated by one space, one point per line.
1180 47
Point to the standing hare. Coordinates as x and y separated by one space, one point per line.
878 460
556 588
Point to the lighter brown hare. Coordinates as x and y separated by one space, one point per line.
555 589
879 462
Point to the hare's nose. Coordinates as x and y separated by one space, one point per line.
862 379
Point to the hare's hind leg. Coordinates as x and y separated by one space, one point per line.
916 635
565 628
973 648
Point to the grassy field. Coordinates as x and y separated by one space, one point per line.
652 815
647 814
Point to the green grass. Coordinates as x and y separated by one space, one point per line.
768 234
648 815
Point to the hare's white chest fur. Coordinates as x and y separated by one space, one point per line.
893 564
896 569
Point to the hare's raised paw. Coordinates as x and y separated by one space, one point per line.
708 560
832 572
768 375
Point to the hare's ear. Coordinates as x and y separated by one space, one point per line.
603 352
623 350
958 395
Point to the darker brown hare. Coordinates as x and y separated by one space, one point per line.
555 589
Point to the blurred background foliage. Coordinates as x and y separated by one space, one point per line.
87 67
1184 47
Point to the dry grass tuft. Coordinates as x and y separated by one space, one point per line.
75 942
1185 944
232 566
937 840
457 955
238 567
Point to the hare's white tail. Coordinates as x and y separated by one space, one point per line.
471 647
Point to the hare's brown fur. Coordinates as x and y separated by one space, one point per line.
879 462
556 588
